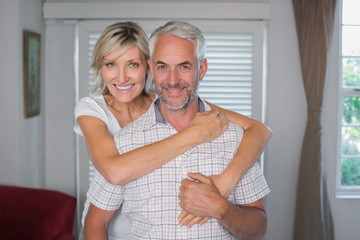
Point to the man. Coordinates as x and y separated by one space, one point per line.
154 201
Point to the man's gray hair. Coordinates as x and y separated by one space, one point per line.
182 30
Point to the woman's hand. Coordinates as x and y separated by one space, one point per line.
208 125
188 220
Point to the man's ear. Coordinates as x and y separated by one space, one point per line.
203 68
150 67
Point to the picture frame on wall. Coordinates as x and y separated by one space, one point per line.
31 74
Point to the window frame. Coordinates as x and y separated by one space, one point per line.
345 192
257 28
72 14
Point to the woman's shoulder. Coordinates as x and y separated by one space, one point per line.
93 98
90 104
92 101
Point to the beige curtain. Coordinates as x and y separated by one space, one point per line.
314 23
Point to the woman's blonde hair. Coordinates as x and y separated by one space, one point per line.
120 35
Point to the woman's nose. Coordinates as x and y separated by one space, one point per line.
122 75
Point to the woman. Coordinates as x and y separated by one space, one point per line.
124 94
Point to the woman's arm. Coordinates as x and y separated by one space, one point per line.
256 136
120 169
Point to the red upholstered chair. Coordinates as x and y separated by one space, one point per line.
36 214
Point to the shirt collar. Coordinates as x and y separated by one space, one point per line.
159 117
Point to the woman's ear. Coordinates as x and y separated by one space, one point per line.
150 68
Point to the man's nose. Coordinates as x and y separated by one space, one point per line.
174 77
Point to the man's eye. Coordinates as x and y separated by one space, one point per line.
184 68
162 67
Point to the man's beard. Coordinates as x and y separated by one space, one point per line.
189 98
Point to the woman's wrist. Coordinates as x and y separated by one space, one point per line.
231 175
193 136
226 182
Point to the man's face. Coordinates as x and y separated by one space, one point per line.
175 71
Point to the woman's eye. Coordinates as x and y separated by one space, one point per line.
133 65
110 64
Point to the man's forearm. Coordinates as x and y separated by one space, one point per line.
95 233
244 222
96 223
202 198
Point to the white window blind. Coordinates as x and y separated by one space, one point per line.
228 81
235 79
93 37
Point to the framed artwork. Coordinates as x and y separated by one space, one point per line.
31 74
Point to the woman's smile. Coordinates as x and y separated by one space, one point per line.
124 87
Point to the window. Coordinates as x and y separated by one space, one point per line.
349 171
235 77
228 81
247 20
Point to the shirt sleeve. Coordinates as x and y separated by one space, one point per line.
89 107
105 195
251 187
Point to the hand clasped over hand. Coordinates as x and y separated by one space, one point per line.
197 198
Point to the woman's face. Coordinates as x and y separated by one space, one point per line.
125 76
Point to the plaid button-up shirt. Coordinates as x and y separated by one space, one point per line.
151 202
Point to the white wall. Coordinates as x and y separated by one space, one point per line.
59 109
22 140
9 160
286 117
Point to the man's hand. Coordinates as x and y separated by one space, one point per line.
202 198
199 198
221 183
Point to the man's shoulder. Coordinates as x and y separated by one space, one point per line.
234 131
235 127
139 125
232 126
